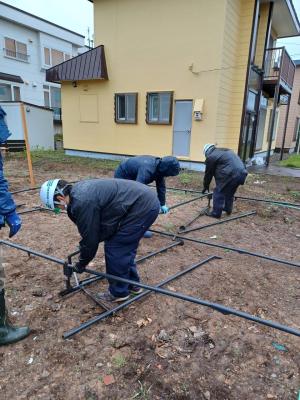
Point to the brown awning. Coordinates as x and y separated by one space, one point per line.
86 66
11 78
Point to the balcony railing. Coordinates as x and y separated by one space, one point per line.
279 66
16 55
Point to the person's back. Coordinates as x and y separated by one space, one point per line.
227 164
140 168
107 202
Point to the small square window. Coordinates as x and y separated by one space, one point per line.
126 108
159 108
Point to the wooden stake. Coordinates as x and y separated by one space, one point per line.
24 123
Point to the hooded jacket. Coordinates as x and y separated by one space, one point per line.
7 205
100 206
146 169
224 165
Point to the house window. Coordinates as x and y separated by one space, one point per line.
17 93
159 108
57 57
126 108
275 123
297 129
9 92
52 98
46 90
5 92
47 56
15 49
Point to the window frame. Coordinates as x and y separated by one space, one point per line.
160 122
16 52
124 121
12 87
66 56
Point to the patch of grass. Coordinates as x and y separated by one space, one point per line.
58 156
292 162
294 193
119 361
188 178
142 393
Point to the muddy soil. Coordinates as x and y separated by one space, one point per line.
159 347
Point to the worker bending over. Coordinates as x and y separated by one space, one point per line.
115 211
229 173
8 215
147 169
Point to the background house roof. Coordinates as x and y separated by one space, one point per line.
86 66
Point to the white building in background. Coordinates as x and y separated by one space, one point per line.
30 45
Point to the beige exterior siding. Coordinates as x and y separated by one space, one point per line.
235 49
293 115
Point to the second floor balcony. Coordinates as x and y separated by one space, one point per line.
279 69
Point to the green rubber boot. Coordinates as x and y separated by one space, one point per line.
9 333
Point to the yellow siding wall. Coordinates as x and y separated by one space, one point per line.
262 27
235 50
149 46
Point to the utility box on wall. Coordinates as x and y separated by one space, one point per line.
39 122
198 109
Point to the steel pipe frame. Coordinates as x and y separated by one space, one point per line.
182 203
126 303
72 289
215 306
279 203
225 247
222 221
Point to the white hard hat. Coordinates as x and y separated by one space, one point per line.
206 147
47 193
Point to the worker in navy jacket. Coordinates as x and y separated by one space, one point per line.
114 211
147 169
229 173
8 215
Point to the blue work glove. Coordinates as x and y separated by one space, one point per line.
14 222
164 209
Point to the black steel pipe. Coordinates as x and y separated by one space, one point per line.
222 221
182 203
30 210
106 314
215 306
279 203
226 247
154 253
202 212
34 252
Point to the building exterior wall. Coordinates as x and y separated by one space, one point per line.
235 50
164 46
294 113
36 34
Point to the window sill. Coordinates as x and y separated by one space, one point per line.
126 122
158 123
16 59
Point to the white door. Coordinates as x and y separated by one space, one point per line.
182 128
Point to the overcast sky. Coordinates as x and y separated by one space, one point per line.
77 15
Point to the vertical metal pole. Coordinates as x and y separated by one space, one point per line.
285 127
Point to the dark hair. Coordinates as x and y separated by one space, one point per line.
67 187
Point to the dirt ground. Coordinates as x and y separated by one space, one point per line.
159 347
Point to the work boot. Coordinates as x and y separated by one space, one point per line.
9 333
212 214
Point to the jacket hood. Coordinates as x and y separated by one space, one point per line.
169 166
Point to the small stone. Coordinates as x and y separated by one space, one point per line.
163 336
38 292
108 380
271 396
207 395
29 307
45 374
99 365
274 376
